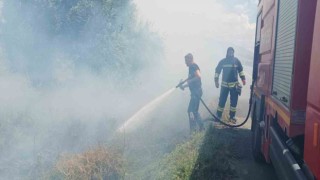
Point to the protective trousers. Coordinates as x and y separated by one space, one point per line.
194 116
223 98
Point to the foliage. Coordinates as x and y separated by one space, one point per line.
179 163
102 35
95 39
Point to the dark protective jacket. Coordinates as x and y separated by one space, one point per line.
231 67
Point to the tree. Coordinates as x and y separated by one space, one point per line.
102 35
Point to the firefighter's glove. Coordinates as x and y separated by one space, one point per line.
244 82
216 83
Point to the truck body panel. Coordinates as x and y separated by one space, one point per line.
284 49
312 129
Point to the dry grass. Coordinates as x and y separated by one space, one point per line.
98 163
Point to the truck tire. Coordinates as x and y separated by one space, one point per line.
256 144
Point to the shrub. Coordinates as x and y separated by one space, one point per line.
99 163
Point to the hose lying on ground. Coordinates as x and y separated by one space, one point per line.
217 119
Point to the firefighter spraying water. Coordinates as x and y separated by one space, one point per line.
194 83
230 67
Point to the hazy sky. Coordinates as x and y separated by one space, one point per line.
201 26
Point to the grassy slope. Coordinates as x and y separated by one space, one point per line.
203 156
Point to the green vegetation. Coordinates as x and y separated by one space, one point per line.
204 156
180 163
210 155
217 155
103 36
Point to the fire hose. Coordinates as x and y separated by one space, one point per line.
217 119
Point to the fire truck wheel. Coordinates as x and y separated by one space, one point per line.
256 144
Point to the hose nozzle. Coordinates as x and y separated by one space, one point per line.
180 85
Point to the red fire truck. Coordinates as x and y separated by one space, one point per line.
286 101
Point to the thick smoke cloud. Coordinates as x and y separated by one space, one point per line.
71 72
98 35
205 28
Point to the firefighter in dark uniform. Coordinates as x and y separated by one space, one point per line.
194 83
230 67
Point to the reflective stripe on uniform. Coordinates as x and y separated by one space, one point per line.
216 75
241 73
229 66
224 84
229 84
220 108
233 109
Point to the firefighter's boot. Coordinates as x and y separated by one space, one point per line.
219 112
233 120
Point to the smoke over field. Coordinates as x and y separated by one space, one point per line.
73 71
